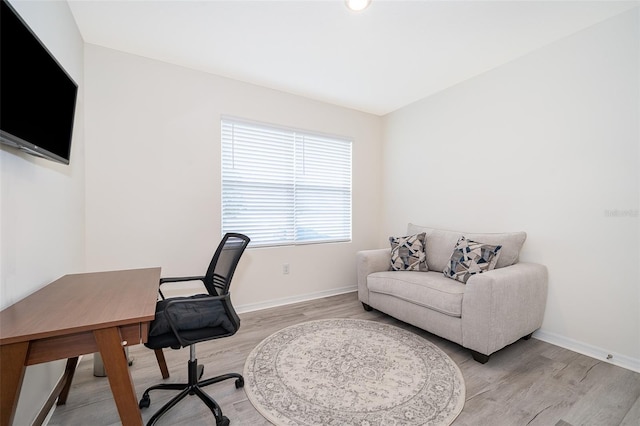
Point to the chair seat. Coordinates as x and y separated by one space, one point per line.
196 322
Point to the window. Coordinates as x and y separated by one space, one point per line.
282 186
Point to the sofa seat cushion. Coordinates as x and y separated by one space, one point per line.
429 289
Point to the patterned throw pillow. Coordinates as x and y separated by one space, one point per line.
408 253
469 258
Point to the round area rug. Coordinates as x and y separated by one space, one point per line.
352 372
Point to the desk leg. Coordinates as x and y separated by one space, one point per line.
162 363
115 364
67 377
12 368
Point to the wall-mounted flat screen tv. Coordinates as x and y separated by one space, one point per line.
37 96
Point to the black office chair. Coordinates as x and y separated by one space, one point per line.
185 321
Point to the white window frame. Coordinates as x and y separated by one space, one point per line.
285 186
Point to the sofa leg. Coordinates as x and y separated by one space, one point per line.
528 336
366 307
481 358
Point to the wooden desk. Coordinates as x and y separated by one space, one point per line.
75 315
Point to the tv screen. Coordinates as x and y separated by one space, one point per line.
37 96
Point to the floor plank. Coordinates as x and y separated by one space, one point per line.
528 383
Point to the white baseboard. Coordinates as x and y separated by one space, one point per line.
620 360
294 299
48 418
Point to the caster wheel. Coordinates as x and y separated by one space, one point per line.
145 402
239 383
224 421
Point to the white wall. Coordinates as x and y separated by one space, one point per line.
42 202
153 175
548 144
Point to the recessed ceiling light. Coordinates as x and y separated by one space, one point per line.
357 5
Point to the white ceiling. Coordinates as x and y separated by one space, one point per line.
390 55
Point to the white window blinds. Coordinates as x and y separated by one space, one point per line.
283 186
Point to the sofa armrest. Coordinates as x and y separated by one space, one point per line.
503 305
368 262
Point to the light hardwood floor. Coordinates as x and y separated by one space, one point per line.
528 383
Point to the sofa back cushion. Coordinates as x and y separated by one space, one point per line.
440 244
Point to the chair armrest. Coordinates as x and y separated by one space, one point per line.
179 279
503 305
368 262
176 280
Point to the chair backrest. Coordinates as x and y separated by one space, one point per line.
224 262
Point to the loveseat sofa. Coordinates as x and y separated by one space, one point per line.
498 304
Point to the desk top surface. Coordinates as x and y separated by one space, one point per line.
82 302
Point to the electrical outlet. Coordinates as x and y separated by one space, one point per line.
285 268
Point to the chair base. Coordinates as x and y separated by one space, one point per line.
193 387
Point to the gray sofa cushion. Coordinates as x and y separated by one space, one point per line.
440 244
429 289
